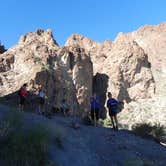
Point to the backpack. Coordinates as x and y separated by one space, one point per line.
120 106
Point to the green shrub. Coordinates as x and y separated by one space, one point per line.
26 148
37 59
105 123
2 48
12 121
149 131
158 131
22 145
131 161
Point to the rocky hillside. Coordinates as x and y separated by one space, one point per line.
93 146
132 67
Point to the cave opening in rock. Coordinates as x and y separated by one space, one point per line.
100 85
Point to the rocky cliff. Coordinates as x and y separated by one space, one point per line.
132 67
38 60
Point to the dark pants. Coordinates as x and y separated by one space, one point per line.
95 113
114 120
22 100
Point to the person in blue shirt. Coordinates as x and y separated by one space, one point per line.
112 105
95 106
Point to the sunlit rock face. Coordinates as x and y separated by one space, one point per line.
65 73
132 68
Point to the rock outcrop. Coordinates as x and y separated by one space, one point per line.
125 64
132 68
97 51
38 60
129 71
152 40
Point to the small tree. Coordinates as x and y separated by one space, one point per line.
2 48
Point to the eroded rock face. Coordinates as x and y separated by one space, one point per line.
97 51
66 73
125 64
132 67
21 63
129 71
152 39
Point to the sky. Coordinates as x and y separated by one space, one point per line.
96 19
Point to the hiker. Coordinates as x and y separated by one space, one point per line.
42 96
23 97
64 107
95 105
112 105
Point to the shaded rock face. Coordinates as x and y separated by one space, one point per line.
38 60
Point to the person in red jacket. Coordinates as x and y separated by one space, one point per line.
23 96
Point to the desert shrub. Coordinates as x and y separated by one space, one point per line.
11 122
2 100
131 161
23 145
105 123
2 48
26 148
158 131
149 131
37 59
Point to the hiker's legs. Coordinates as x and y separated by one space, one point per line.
22 103
116 121
39 109
92 114
21 107
111 117
41 105
97 114
64 111
112 120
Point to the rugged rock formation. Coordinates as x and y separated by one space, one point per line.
97 51
132 68
38 60
125 64
129 71
152 40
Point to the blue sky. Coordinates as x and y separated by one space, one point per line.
96 19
